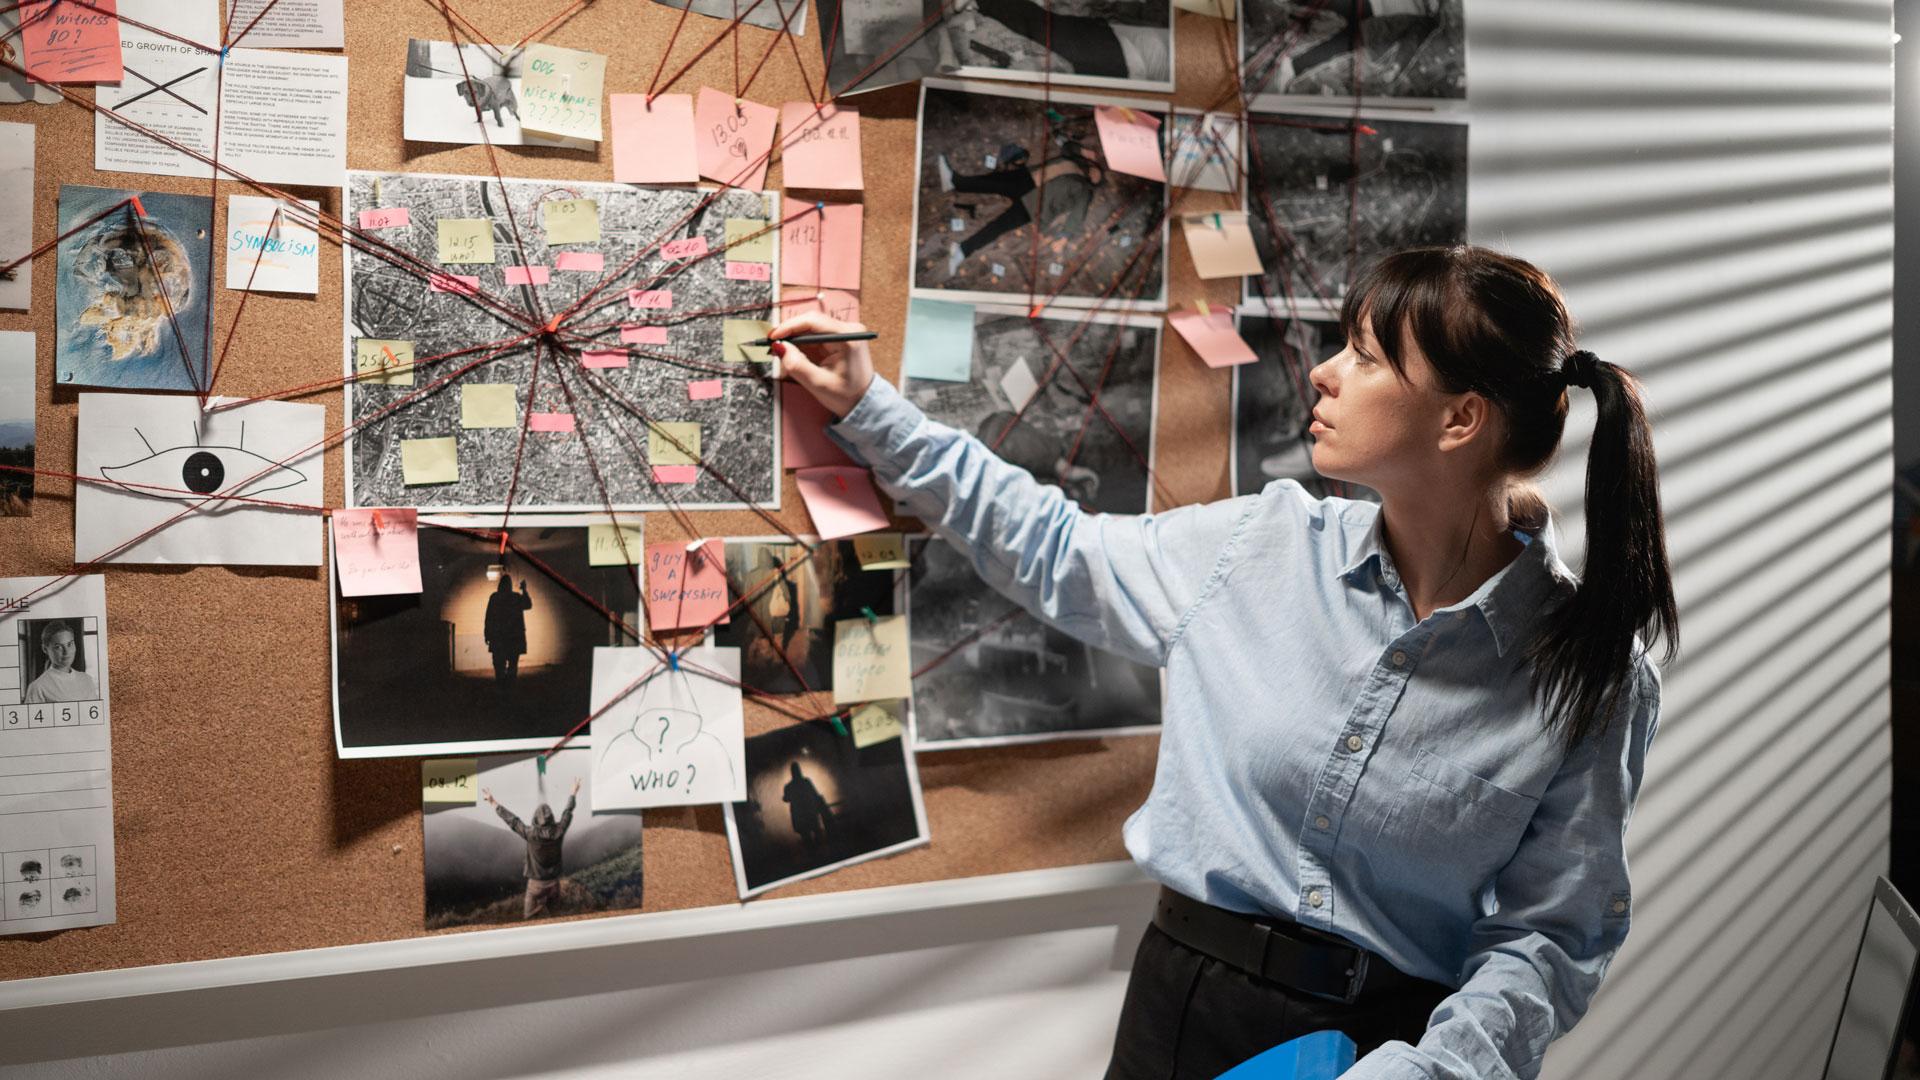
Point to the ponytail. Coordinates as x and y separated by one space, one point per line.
1583 656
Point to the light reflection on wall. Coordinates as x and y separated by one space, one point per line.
775 815
466 609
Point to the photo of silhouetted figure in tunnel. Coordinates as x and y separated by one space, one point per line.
506 629
811 816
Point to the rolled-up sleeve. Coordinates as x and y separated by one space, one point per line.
1563 905
1120 582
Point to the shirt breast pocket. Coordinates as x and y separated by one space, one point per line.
1455 826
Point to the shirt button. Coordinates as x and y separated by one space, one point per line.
1354 743
1460 616
1399 658
1321 822
1619 905
1313 897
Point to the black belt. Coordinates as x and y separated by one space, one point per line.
1278 949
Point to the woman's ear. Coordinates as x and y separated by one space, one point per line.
1467 419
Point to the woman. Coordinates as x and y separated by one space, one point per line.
1401 742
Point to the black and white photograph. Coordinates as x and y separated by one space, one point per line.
1273 405
466 94
1069 399
529 846
1015 198
55 668
17 398
790 15
1117 44
815 803
990 673
1326 200
605 457
785 630
874 44
1404 49
494 653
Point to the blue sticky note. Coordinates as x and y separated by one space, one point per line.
1323 1055
939 341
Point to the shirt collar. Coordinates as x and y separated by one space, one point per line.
1510 601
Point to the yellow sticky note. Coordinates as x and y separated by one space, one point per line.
393 357
450 780
875 722
571 221
741 249
662 452
430 461
735 333
488 405
561 90
610 545
870 659
465 240
880 551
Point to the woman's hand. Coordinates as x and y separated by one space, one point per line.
836 374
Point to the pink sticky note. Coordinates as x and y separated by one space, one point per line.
653 144
390 218
603 358
685 588
749 271
68 43
822 246
1213 337
734 139
590 261
686 248
676 474
454 283
376 560
704 389
650 298
525 275
841 500
803 431
820 147
836 303
1130 140
548 421
644 335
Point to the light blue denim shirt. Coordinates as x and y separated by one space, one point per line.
1323 754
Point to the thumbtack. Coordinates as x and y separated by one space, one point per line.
503 541
1055 116
837 725
139 209
697 547
872 619
820 206
376 522
540 763
1202 308
553 325
673 660
1217 225
1365 130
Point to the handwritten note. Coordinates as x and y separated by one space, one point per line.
842 304
881 551
430 461
734 335
803 431
560 92
614 545
876 722
1130 140
571 221
687 247
591 262
1213 337
392 359
663 737
653 144
734 138
651 299
662 436
749 240
1221 244
748 271
871 659
686 589
488 405
449 780
392 218
820 147
269 249
67 43
465 240
822 247
380 559
841 501
939 341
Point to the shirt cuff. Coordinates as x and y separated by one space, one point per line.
877 424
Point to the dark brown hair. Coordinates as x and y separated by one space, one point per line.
1494 324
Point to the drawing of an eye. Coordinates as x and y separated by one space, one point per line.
185 473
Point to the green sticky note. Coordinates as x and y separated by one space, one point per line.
757 249
571 221
465 240
488 405
662 452
393 357
735 334
430 461
609 545
939 341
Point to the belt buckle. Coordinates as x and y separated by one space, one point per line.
1357 974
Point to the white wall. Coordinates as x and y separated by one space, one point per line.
1710 180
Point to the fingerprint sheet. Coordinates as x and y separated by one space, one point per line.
56 759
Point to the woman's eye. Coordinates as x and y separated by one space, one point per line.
187 473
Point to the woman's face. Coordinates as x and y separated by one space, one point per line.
1371 425
60 651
